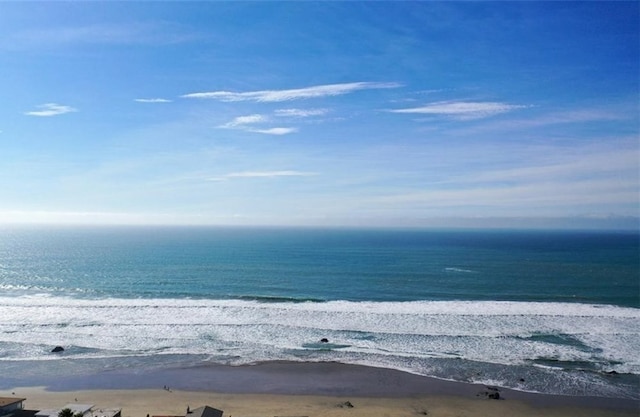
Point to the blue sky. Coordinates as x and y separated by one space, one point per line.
320 113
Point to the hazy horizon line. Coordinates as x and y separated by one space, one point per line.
620 223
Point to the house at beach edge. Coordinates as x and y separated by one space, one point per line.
14 407
204 411
11 405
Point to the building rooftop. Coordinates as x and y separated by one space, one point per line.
5 401
103 412
75 408
78 408
47 412
205 411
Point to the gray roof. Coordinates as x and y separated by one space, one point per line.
205 411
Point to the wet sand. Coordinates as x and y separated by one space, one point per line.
302 389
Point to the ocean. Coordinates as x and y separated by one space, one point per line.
543 311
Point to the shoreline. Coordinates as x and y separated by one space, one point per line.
159 402
282 383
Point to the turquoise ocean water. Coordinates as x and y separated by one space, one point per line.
547 311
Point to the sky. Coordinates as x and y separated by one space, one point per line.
392 114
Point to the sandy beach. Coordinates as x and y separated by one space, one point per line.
287 389
139 403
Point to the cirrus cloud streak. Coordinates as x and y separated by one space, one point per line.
465 110
263 174
327 90
152 100
246 123
301 112
275 130
51 109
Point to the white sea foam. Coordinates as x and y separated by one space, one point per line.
494 332
460 270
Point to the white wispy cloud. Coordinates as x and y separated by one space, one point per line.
152 100
301 112
51 109
247 123
263 174
292 94
275 130
242 121
465 110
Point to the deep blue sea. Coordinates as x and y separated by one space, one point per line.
546 311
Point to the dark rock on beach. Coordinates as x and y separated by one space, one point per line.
491 393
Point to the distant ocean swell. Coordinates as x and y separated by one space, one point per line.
517 344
